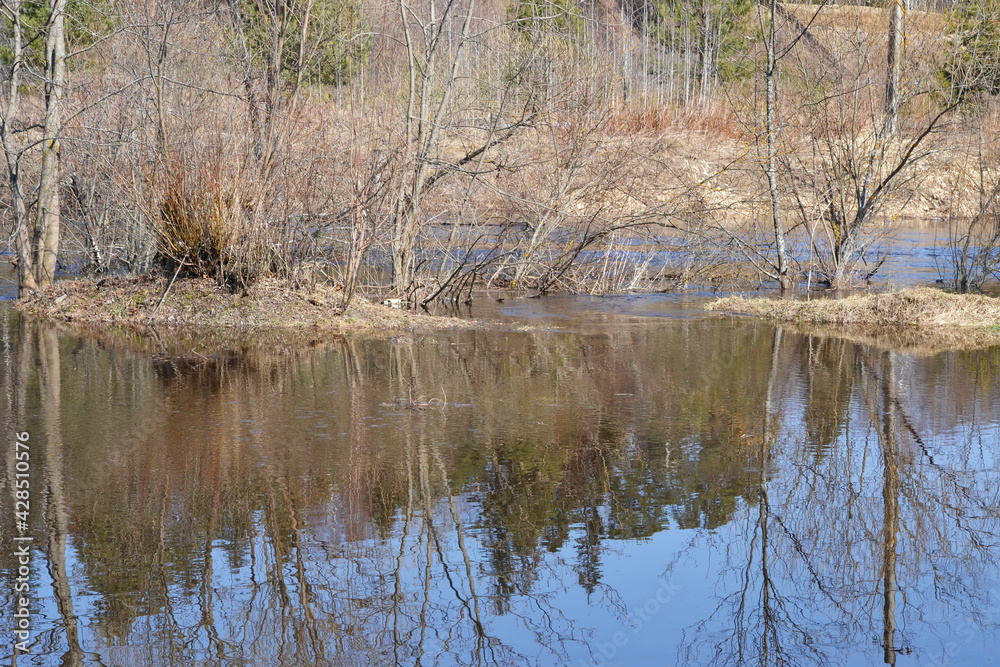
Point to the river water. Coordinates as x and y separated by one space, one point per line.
618 481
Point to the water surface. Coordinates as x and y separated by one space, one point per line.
630 482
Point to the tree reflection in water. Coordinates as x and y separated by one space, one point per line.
866 533
468 498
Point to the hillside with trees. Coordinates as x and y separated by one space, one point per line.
424 148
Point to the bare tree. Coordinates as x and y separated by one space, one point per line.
894 59
14 149
770 75
37 244
427 107
46 239
973 243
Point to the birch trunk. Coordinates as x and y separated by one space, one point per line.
784 280
893 62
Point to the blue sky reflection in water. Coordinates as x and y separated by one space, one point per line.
624 490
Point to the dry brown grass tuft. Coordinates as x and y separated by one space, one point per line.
916 307
208 218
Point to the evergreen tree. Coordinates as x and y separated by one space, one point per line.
335 39
975 64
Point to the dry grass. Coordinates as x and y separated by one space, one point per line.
920 320
202 304
916 307
718 121
869 19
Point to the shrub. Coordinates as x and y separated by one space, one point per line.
208 221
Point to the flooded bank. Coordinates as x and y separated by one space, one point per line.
630 482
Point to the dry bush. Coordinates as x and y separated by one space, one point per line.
208 217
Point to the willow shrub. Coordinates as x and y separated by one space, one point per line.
209 222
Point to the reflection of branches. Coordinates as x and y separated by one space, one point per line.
467 561
767 624
959 514
407 542
767 615
890 521
804 562
806 559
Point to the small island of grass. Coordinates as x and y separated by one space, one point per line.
914 307
919 317
202 303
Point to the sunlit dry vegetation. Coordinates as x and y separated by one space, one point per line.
426 148
959 315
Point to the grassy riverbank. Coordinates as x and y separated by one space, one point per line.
931 316
916 307
920 319
203 304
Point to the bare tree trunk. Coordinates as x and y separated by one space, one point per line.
423 131
249 75
401 239
161 65
47 224
706 52
12 153
893 61
784 280
279 97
